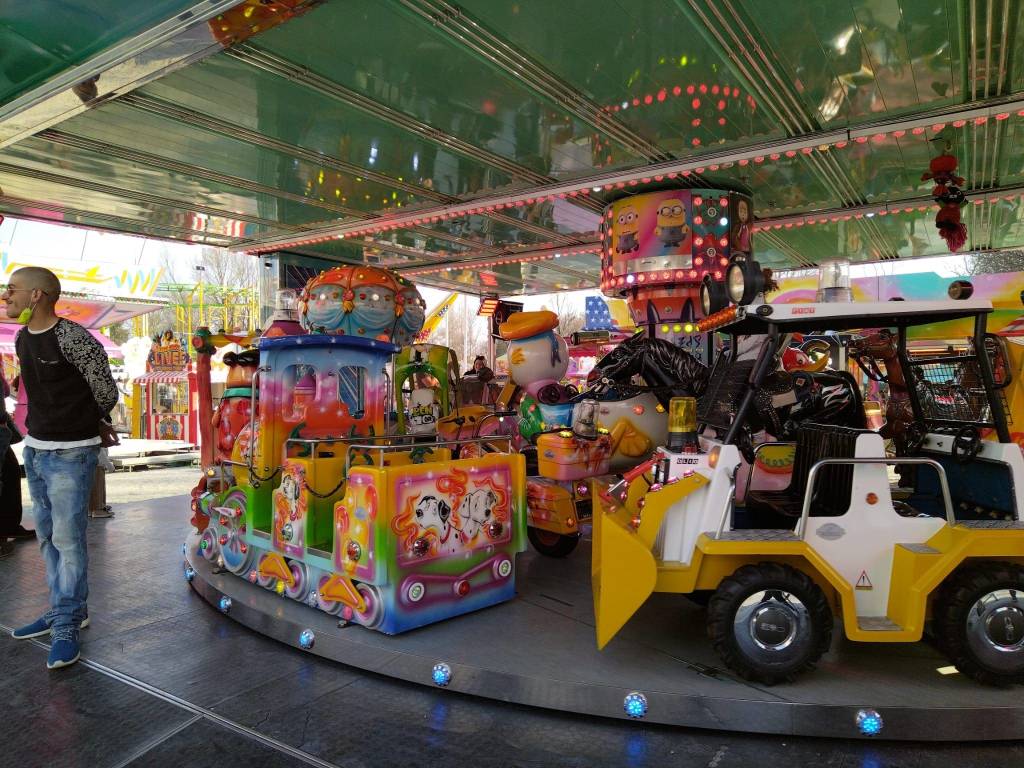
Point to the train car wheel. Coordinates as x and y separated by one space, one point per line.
373 616
208 544
300 581
237 555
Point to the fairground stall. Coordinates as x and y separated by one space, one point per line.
166 396
810 426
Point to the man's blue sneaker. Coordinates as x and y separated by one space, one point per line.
38 628
64 650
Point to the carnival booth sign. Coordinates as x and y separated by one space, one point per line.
166 394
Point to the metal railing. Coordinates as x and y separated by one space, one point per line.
801 526
440 444
500 415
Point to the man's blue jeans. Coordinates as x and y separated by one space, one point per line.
60 482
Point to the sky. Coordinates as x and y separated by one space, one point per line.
34 238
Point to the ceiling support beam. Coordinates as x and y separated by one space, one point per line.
768 228
126 66
28 209
141 197
817 142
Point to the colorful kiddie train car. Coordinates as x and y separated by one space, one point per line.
328 509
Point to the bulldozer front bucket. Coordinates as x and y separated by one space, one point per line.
623 569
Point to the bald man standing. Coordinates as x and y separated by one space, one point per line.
66 375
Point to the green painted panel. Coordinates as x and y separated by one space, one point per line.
907 232
1006 218
229 90
646 61
39 40
885 168
408 65
779 187
1016 50
411 249
1010 154
128 127
487 232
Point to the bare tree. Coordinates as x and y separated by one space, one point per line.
991 263
569 308
228 281
465 333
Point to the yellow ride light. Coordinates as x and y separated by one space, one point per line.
682 423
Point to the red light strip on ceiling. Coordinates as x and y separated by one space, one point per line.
823 142
711 97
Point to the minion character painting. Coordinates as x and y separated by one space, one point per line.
671 226
627 230
321 503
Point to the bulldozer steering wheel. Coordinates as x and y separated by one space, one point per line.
966 444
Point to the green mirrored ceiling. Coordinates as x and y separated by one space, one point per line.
41 39
55 194
362 109
124 174
488 232
560 216
846 63
643 62
236 93
404 63
138 129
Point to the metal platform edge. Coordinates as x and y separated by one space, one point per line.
269 614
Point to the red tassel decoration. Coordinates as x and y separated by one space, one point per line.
950 199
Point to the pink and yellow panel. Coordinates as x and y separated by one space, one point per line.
438 539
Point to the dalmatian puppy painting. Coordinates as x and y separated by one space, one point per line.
475 512
435 514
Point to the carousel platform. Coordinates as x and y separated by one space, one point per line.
539 650
166 679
